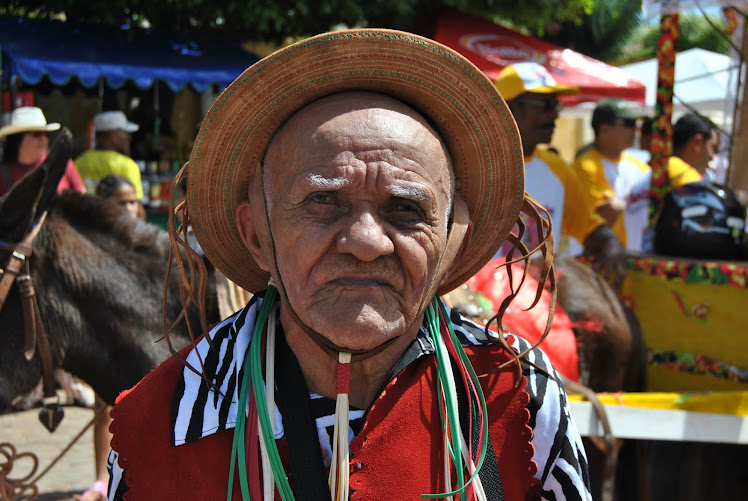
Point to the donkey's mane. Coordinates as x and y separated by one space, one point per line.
103 216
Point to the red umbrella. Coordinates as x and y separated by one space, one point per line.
492 47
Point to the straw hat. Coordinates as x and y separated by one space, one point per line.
27 119
457 97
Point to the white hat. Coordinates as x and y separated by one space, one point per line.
27 119
113 120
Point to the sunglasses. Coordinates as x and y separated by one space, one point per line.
545 104
626 122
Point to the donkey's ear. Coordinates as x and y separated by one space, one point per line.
17 207
54 165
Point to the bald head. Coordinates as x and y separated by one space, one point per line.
363 115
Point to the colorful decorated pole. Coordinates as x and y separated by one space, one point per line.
662 128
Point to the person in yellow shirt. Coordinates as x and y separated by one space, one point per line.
617 183
532 96
695 140
111 156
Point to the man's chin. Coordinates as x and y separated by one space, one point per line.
364 331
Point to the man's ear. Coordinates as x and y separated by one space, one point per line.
696 142
465 241
249 234
458 240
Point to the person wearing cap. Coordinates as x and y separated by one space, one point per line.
532 95
25 144
111 155
617 183
695 140
348 180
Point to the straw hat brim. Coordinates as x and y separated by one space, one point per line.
457 97
9 130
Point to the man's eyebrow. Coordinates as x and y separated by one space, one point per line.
325 183
411 192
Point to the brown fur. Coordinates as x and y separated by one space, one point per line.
99 277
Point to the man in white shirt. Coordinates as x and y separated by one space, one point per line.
617 183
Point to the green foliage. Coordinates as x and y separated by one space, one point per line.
529 15
603 31
277 20
695 31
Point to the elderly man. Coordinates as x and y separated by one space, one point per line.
532 95
347 180
112 153
617 182
695 140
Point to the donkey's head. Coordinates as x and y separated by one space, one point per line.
23 205
20 210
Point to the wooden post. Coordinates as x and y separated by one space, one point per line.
737 174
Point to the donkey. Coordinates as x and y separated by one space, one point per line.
612 357
99 280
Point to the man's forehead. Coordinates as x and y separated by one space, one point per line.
371 127
341 175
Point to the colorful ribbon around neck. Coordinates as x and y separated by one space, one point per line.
254 423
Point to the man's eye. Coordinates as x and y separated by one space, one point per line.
323 198
406 208
406 212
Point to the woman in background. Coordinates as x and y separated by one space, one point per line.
25 145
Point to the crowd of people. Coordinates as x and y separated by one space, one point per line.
355 202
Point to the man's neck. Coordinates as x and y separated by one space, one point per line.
319 367
529 149
608 151
686 159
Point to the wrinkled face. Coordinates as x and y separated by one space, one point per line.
33 147
359 192
125 197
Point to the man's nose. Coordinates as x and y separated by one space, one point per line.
365 237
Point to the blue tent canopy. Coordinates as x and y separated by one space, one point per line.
32 49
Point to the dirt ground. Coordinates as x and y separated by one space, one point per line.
74 473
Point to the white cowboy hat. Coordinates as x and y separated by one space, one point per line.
27 119
113 120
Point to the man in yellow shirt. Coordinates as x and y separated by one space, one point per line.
617 183
532 96
111 155
695 141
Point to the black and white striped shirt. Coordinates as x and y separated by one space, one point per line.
199 411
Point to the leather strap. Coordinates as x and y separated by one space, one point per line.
27 293
35 333
20 252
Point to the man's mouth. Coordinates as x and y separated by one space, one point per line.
359 282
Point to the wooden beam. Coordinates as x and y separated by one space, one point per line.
737 175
